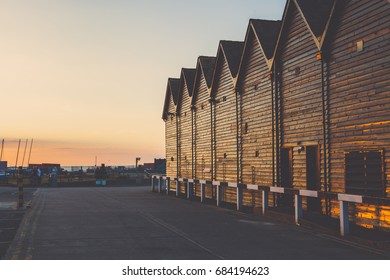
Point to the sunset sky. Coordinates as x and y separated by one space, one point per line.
87 78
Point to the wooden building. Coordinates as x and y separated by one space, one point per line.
255 89
302 142
303 104
224 126
359 105
169 117
201 131
184 124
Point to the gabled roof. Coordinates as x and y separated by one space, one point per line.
207 64
171 92
316 15
204 68
187 78
231 52
266 33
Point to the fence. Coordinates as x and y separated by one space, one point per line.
164 183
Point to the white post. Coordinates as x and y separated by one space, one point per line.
239 198
298 208
219 195
202 192
168 182
152 183
344 224
189 192
160 182
177 187
265 201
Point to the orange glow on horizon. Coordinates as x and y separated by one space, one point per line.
75 154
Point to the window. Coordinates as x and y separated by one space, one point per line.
246 128
364 173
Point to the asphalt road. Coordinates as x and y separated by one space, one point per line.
10 216
122 223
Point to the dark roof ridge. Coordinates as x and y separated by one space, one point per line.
232 51
316 14
172 90
189 78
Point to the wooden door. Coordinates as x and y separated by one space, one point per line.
313 174
287 176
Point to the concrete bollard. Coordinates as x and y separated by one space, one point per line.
239 198
178 188
160 183
298 209
202 192
168 182
153 177
20 187
219 195
264 201
344 223
189 189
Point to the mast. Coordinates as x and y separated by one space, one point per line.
29 155
24 153
17 155
2 148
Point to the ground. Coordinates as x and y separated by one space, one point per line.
128 223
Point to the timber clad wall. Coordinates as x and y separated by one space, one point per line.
225 123
254 86
300 93
170 129
185 131
202 116
304 103
360 93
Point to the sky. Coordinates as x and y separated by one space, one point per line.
87 78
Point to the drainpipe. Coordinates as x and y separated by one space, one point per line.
177 146
273 126
211 137
277 121
324 129
192 141
237 138
277 132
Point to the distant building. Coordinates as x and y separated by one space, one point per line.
3 165
45 167
160 165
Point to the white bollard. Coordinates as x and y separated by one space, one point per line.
177 188
265 201
219 195
239 198
168 182
202 192
298 209
344 223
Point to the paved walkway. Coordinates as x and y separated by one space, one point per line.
10 215
133 223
